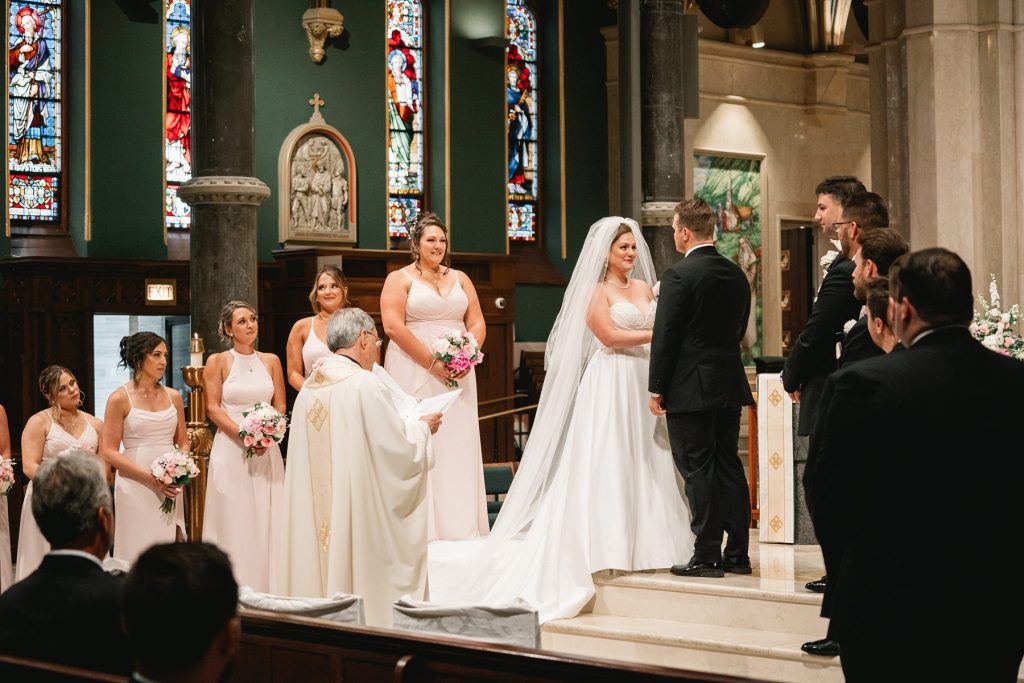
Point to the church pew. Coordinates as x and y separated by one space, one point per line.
277 649
36 671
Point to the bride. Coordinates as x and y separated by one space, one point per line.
597 488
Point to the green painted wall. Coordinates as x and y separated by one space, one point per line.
127 136
127 118
586 151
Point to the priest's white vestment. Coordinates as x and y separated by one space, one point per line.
355 518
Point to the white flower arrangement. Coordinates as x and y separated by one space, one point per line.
848 325
995 328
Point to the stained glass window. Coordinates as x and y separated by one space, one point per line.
35 91
404 66
178 110
521 122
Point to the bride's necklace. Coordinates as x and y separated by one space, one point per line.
616 284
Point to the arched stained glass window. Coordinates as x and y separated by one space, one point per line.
35 90
405 91
521 123
177 110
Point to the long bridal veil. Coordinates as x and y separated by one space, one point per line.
570 345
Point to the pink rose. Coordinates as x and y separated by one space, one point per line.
249 440
1007 342
265 441
268 429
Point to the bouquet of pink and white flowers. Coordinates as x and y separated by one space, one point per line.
177 469
459 351
6 476
261 425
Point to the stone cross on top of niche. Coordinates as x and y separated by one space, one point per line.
316 101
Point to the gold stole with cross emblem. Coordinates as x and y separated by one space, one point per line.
318 446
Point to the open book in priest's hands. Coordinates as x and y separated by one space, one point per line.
413 408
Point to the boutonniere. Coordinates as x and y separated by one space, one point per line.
826 262
848 326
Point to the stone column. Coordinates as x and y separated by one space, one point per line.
223 193
662 102
951 75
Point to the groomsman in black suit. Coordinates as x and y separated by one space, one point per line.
918 479
865 213
813 356
879 327
697 377
879 248
68 611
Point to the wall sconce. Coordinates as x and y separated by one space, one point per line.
321 21
751 37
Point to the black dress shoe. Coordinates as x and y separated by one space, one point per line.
741 566
697 568
818 586
825 647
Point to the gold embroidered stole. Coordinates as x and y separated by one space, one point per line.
318 446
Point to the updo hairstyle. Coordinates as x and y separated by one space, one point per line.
427 219
226 314
136 347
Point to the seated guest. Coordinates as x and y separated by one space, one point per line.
878 315
181 614
922 484
69 610
354 517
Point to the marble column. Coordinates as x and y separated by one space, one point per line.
662 104
223 193
951 75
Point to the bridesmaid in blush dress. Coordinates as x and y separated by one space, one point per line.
418 304
307 342
242 494
6 573
149 419
47 434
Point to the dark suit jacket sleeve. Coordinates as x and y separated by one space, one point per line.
834 465
669 325
858 345
830 311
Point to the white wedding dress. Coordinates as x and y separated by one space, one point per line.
610 498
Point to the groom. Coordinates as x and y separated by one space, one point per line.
697 377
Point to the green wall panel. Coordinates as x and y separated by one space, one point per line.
127 136
351 82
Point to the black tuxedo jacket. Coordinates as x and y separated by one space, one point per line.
703 308
67 612
918 472
858 345
813 356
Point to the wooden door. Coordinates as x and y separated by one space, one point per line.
797 279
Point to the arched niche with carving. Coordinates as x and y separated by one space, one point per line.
316 173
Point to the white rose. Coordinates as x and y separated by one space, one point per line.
991 341
828 258
441 346
995 313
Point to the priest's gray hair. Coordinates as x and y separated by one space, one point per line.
67 492
345 326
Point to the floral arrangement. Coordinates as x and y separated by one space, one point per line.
995 328
6 476
459 351
261 425
175 468
848 325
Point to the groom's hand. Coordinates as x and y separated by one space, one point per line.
795 395
657 404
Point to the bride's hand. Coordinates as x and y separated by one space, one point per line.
460 375
165 490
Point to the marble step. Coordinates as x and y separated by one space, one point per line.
745 602
756 653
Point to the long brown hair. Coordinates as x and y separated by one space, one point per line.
338 277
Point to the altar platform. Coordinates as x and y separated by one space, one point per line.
749 625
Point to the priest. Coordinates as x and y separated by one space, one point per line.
355 519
